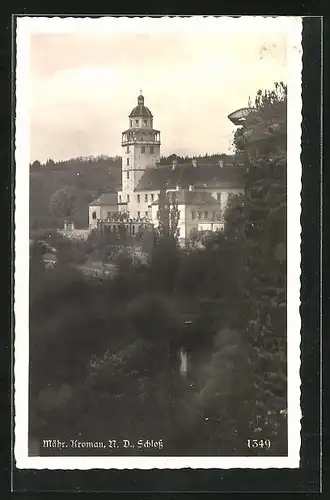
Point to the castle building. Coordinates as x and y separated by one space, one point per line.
202 189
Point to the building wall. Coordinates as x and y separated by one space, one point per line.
101 212
195 214
138 162
221 195
189 220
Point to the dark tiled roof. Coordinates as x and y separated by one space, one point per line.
141 111
207 175
105 199
185 197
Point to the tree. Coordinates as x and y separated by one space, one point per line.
263 141
165 253
235 216
168 214
62 202
35 166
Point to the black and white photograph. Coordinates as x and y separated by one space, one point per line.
157 242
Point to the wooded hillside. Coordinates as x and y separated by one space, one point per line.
60 190
86 178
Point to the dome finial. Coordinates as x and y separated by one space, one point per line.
140 99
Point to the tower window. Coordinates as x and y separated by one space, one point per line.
128 198
145 197
127 174
152 149
145 123
131 123
152 197
137 123
138 198
143 149
127 161
127 149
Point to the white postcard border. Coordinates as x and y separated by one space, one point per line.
292 26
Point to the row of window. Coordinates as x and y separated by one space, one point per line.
145 198
138 197
200 215
136 123
158 214
143 150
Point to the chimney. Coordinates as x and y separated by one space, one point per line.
221 163
194 162
174 164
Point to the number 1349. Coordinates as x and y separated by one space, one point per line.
259 443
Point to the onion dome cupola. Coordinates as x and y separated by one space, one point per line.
141 110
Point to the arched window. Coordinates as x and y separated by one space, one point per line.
94 215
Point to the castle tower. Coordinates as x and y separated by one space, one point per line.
140 150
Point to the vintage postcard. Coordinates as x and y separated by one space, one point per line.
157 242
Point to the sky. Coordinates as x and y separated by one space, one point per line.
84 85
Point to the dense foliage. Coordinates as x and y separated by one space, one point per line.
64 189
263 140
105 355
